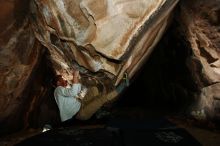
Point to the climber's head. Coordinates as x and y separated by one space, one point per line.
60 81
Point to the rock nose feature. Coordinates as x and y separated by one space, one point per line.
100 35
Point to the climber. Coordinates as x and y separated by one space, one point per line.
65 97
71 104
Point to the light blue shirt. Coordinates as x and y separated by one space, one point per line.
66 100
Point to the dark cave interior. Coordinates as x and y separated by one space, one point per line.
168 84
163 85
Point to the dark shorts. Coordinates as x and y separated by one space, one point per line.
69 122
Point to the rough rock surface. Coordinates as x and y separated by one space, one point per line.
201 26
20 51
